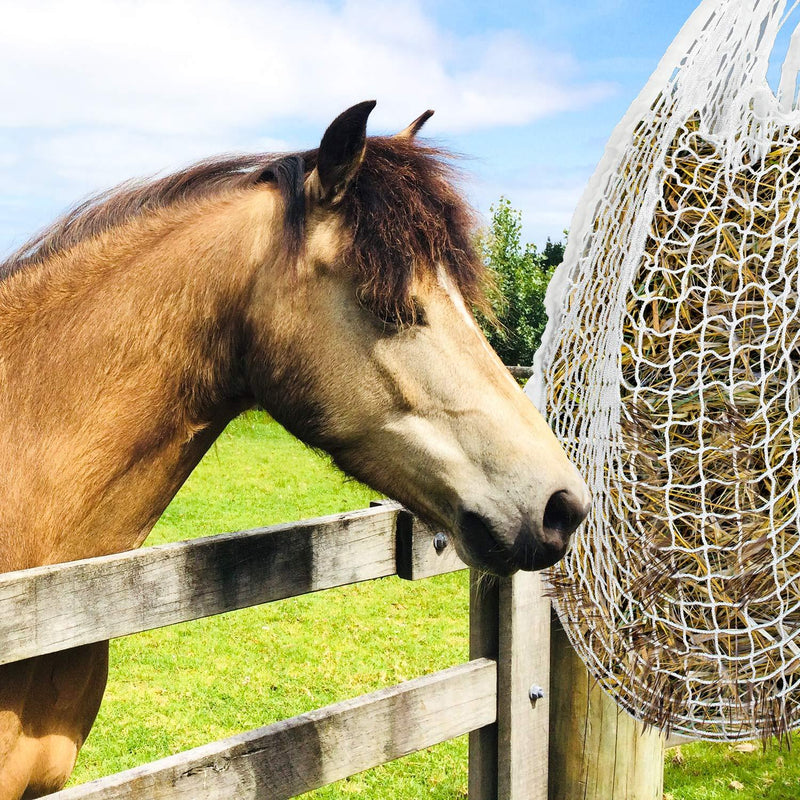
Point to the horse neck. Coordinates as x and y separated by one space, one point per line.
119 369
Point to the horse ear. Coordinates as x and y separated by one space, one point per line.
340 153
413 129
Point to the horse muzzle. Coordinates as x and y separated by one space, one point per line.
531 544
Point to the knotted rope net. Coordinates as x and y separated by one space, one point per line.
671 370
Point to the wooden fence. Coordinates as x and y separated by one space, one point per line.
521 372
496 697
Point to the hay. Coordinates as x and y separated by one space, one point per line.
671 369
694 623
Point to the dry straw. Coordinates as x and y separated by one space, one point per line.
699 618
671 369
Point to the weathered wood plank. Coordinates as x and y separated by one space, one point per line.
510 621
64 605
484 633
317 748
523 663
418 555
599 752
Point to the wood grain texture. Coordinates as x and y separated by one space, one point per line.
51 608
510 621
523 662
317 748
417 558
597 751
484 630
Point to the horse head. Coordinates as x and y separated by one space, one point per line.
366 346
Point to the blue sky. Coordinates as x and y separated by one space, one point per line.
94 92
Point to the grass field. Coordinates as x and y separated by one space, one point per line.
189 684
186 685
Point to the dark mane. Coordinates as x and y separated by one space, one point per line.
402 212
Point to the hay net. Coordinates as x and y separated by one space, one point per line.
671 370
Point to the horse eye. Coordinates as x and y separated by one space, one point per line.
397 319
389 322
393 320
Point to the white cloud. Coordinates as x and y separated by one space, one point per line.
175 66
93 92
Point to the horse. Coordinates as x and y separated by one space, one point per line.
332 287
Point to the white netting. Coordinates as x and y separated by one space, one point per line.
671 369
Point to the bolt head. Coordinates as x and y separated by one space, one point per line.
439 542
535 693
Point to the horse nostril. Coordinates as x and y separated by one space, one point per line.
564 512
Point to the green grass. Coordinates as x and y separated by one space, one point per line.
189 684
745 771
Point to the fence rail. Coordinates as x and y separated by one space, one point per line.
64 605
52 608
521 372
314 749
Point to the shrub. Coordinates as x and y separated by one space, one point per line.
520 275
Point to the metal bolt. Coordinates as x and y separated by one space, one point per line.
439 542
535 693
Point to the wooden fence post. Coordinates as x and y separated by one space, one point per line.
484 639
510 621
597 751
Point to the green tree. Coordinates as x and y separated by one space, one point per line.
520 275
